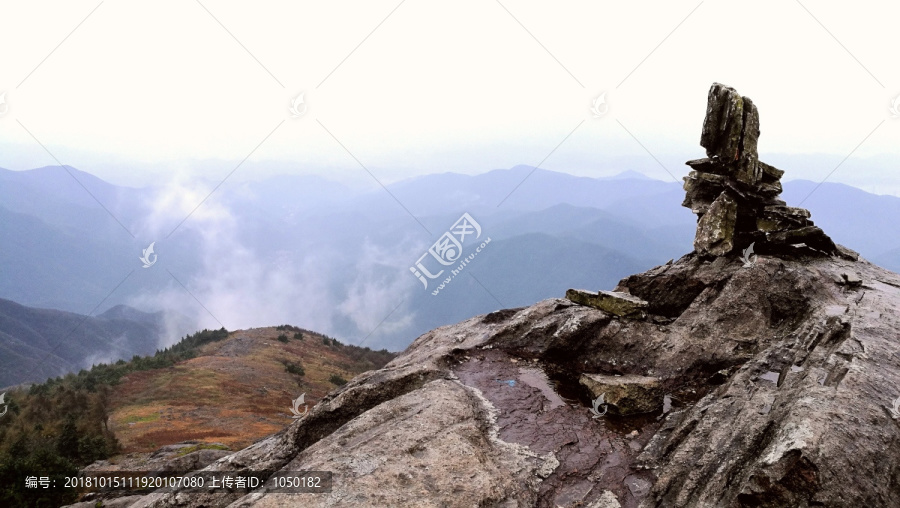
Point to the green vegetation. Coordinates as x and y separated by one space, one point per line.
330 341
141 419
59 426
368 358
293 368
282 338
185 349
51 429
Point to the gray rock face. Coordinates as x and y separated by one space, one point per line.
724 123
732 173
731 131
782 384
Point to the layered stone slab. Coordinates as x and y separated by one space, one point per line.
613 302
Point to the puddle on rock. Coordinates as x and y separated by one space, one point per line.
542 407
770 376
536 378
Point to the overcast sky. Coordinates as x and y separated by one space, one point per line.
139 92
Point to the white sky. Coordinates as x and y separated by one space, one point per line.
142 91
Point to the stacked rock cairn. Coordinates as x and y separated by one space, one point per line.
735 195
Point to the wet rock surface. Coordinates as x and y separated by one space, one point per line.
590 455
779 382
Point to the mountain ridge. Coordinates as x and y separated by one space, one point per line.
82 256
37 343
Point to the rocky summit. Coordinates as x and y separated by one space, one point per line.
710 381
735 195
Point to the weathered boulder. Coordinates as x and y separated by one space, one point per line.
724 123
181 457
613 302
782 218
731 131
626 395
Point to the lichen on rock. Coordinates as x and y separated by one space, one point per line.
613 302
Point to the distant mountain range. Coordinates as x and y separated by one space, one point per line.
36 344
306 250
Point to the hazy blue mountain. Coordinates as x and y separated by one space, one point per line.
513 271
70 199
39 343
889 260
55 267
519 188
867 223
308 251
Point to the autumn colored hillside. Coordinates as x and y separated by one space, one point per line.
234 391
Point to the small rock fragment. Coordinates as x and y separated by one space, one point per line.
606 500
639 487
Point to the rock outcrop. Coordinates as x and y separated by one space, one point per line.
772 385
735 195
782 384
